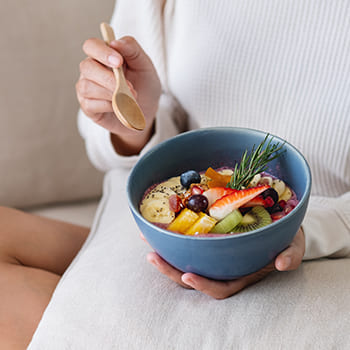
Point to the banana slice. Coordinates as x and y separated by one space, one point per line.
255 180
226 172
279 186
164 194
155 206
157 210
286 195
172 184
266 180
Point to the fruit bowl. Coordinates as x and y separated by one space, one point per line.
223 257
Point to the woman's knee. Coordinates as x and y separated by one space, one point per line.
8 217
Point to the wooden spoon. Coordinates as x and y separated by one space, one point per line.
124 104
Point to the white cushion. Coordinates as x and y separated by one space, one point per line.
111 298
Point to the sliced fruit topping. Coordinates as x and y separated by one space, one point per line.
279 186
217 179
228 223
157 211
230 202
277 216
197 203
173 185
195 189
258 200
215 193
183 221
255 181
190 177
258 217
202 225
266 180
286 195
175 203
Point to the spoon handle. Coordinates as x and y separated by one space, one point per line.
124 103
107 32
108 36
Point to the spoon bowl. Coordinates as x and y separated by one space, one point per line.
124 104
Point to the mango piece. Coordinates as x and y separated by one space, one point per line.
202 225
217 179
183 221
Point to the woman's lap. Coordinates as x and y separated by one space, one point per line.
111 298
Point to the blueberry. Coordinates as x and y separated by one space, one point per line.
197 203
270 192
190 177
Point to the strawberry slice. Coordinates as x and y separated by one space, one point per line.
232 201
258 200
215 193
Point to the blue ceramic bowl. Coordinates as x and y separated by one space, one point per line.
228 257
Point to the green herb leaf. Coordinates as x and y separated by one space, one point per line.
254 163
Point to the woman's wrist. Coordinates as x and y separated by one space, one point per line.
132 142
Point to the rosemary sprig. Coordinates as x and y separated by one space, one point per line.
254 163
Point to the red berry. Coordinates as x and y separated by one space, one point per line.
269 202
196 190
282 203
175 203
278 215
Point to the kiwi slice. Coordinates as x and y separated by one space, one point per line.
254 219
228 223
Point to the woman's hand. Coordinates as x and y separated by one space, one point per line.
288 260
96 85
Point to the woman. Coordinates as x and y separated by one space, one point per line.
279 67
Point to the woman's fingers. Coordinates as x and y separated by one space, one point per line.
96 72
89 89
213 288
114 54
133 54
166 269
101 52
292 257
289 259
224 289
96 108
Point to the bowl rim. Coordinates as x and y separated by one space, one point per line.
303 201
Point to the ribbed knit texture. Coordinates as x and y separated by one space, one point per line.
279 66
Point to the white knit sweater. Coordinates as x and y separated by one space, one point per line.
279 66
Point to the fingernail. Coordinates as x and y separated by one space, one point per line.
114 61
188 280
153 261
287 262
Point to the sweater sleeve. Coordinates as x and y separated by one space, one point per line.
144 21
327 227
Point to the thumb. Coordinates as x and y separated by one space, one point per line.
292 257
132 52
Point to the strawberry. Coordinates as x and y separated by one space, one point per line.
215 193
265 202
258 200
232 201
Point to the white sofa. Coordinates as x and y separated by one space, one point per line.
43 164
110 298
